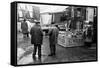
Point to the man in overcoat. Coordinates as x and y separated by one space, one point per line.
24 27
53 37
36 39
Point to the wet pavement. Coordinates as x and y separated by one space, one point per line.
68 54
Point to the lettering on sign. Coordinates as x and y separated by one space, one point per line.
75 41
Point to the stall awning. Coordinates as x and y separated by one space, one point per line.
53 9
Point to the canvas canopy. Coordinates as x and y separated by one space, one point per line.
45 19
41 12
52 9
46 14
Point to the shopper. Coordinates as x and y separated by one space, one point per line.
24 27
36 39
53 35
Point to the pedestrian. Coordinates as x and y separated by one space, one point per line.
24 28
36 39
53 37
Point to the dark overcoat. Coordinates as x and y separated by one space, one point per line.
53 35
24 27
36 34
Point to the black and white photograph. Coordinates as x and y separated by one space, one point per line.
52 33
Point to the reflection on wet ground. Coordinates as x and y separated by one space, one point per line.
25 50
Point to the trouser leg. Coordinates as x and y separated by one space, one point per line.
51 48
54 49
35 49
27 35
39 51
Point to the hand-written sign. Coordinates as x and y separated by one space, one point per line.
75 41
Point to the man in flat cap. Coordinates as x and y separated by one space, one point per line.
36 39
53 37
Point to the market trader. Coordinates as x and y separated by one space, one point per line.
36 39
53 37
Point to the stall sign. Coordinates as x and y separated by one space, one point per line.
90 14
75 41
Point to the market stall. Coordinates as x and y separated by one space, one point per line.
71 34
67 39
